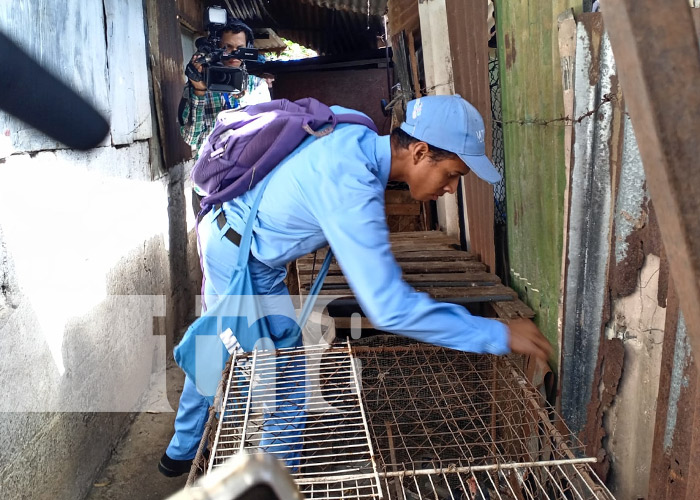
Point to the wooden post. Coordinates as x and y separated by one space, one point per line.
437 60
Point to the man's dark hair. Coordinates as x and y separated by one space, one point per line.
237 26
403 140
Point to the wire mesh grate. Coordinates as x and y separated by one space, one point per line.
498 145
389 418
303 406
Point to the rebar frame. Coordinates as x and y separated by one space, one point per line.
397 419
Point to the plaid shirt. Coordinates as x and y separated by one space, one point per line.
203 110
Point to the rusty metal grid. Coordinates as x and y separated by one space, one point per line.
447 424
390 418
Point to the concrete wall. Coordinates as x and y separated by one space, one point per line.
98 270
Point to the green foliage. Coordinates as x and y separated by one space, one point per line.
292 52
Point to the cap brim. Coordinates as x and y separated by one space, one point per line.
482 167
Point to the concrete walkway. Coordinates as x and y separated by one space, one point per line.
132 473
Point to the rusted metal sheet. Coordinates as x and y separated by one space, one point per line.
468 34
616 279
338 87
326 30
675 443
168 80
371 7
663 105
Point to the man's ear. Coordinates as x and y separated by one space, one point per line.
419 151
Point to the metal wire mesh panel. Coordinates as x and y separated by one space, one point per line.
389 418
303 406
453 425
498 150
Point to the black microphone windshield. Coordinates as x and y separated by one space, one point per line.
38 98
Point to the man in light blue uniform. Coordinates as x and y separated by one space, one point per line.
330 190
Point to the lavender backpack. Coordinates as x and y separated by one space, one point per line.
248 143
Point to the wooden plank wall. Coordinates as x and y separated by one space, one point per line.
403 16
128 75
532 105
191 14
168 77
469 36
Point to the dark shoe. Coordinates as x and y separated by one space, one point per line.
172 468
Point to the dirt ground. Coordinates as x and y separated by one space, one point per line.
132 473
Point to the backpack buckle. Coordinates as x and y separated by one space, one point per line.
218 152
223 139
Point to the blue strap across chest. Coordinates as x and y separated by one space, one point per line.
244 256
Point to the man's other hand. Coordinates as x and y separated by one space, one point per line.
526 338
199 87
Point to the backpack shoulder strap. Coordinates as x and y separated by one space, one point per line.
247 236
244 257
315 289
357 119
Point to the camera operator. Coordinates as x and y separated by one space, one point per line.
200 106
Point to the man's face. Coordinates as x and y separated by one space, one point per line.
231 42
429 179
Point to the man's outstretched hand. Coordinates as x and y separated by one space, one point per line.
526 338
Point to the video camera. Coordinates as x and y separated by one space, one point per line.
215 75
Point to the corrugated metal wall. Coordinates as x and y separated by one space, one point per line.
616 278
329 27
629 382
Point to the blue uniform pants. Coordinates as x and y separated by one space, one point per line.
285 422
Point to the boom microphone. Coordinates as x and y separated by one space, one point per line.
33 95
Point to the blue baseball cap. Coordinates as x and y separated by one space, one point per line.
449 122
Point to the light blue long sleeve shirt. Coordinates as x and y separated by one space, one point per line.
331 190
